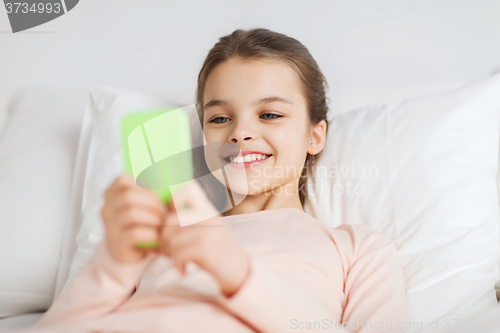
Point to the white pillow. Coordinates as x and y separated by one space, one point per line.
423 172
37 153
100 153
362 94
110 103
75 203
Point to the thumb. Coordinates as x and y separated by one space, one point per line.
171 205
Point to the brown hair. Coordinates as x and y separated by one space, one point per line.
260 43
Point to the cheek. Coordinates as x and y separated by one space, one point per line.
212 135
290 146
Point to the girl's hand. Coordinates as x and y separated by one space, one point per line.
131 214
204 239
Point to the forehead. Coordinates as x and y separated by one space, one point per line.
244 81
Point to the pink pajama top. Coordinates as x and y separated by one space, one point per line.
304 277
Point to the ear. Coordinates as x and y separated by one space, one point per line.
318 138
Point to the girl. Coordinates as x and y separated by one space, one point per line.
261 266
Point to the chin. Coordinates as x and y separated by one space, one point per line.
241 184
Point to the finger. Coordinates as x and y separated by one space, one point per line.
121 183
182 198
164 239
171 206
188 194
169 227
180 259
146 199
179 265
125 188
193 196
170 220
155 250
174 239
137 217
164 243
199 217
142 234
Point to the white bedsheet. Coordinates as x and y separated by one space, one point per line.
19 322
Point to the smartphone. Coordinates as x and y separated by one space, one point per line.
156 149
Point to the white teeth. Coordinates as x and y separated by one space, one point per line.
247 158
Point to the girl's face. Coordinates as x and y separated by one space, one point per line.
259 107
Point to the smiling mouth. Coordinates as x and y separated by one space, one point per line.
246 159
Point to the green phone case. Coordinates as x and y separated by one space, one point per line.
156 147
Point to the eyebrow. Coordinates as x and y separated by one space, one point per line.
261 101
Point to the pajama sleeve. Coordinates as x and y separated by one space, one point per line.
97 290
375 285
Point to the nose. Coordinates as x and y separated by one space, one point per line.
241 134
